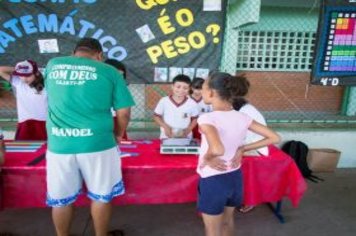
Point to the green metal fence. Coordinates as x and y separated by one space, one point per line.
272 42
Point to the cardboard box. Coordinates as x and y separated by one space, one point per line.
323 159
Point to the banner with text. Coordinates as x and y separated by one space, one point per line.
155 39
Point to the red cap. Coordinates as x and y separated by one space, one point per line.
25 68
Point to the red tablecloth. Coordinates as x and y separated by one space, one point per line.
152 178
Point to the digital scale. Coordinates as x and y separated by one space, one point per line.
179 146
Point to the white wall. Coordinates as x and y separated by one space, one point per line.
341 140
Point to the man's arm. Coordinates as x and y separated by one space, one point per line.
122 119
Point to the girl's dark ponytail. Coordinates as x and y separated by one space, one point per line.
238 103
229 87
38 83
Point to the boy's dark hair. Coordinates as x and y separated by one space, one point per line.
182 78
197 83
88 45
118 65
227 86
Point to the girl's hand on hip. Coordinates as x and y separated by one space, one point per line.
236 160
215 163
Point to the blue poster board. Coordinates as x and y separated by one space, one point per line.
335 49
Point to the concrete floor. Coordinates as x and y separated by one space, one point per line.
328 208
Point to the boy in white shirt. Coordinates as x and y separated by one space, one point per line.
177 114
195 94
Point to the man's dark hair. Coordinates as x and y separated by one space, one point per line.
88 45
182 78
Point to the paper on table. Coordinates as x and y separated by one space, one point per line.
129 154
176 142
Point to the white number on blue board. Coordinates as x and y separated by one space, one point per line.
329 81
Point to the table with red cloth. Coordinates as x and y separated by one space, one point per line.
152 178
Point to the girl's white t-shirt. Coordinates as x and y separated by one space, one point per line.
232 127
251 137
31 105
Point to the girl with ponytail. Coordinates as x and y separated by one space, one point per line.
223 132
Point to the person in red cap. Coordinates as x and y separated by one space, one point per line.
31 99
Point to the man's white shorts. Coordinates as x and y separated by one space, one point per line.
101 172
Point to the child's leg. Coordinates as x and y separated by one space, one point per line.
228 223
213 224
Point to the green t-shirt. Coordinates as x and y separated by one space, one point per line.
81 92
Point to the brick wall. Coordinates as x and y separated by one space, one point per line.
282 91
278 91
270 91
7 100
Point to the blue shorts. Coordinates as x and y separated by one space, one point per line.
220 191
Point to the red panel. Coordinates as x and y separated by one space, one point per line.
152 178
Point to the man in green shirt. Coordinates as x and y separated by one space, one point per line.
81 143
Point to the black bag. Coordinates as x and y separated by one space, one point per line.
299 151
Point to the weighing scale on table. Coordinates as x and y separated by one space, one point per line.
179 146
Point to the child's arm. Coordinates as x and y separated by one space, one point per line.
194 113
6 71
216 148
123 119
158 117
167 129
271 137
191 126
